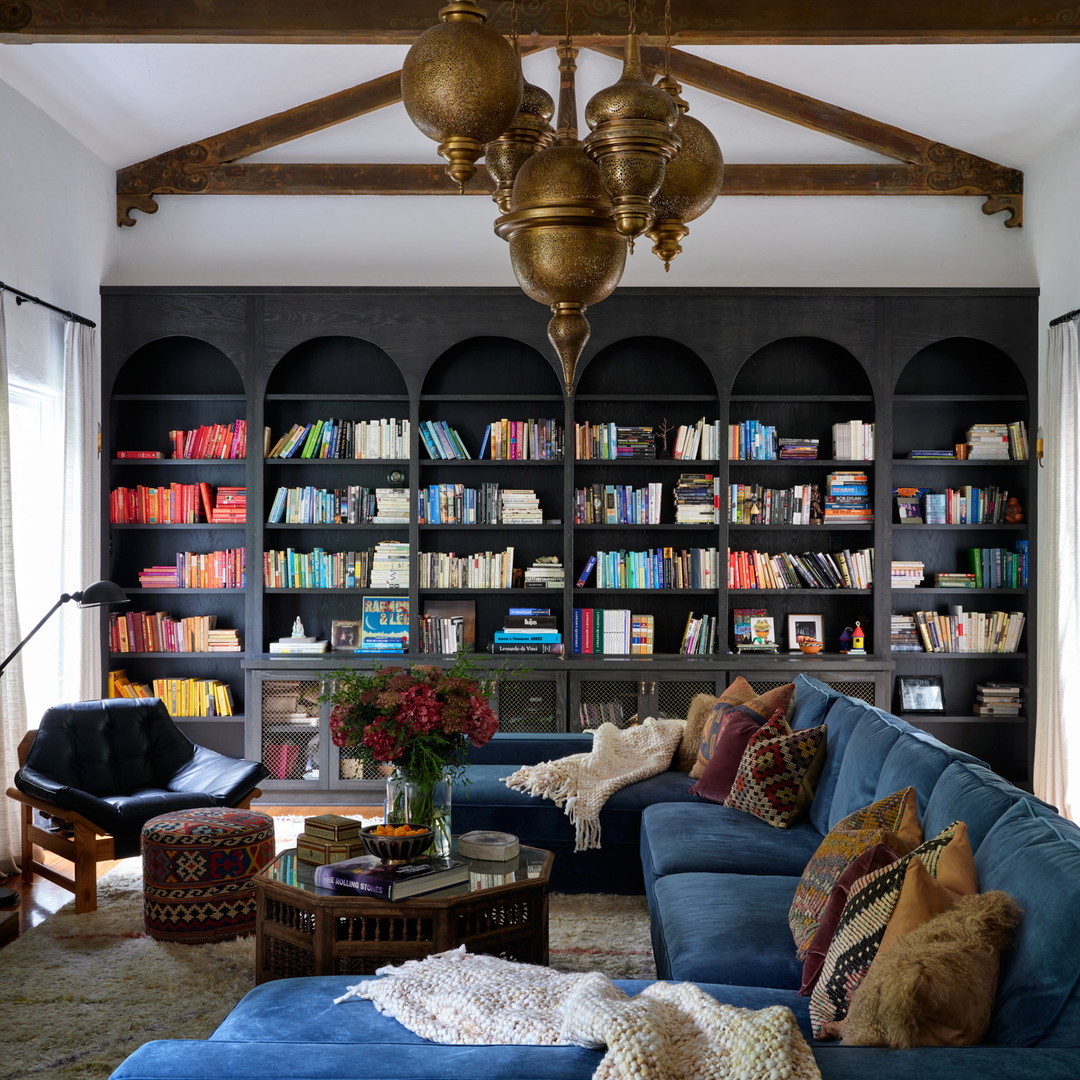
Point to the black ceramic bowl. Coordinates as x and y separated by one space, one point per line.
395 850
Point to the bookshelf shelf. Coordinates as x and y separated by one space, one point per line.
800 361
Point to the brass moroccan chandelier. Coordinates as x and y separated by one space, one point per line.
570 207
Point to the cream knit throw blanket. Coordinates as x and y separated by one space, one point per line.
670 1031
582 783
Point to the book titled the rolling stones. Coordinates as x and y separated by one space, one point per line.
367 876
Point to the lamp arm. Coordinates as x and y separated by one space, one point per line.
64 598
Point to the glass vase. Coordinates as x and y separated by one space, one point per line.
409 800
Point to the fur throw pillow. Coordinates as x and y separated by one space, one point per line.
936 986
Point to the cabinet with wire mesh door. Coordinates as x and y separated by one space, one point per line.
598 698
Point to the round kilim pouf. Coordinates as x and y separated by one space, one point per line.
198 867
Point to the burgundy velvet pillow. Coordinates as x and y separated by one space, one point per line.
740 726
870 860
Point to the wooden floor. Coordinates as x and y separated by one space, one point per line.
40 898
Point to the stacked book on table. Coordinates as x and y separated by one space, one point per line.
367 875
997 699
528 630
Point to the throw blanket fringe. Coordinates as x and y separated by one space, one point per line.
581 783
670 1031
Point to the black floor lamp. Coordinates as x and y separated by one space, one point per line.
99 594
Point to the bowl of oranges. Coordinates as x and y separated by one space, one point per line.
396 844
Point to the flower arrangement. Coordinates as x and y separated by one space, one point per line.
420 719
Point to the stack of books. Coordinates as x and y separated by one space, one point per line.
904 634
853 440
546 572
519 506
907 573
950 580
931 455
368 876
635 441
391 506
794 449
988 441
998 699
528 630
290 646
696 499
847 498
230 506
390 565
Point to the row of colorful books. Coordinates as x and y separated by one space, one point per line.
611 631
845 569
199 570
754 504
482 570
351 505
522 440
385 438
181 696
158 631
658 568
618 504
177 504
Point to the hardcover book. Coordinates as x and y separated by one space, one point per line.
368 876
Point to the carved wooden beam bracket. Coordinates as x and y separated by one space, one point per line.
212 166
382 22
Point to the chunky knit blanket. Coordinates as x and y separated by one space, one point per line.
582 783
670 1031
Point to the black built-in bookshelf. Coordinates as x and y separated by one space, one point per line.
921 365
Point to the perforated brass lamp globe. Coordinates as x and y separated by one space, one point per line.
692 180
564 247
632 140
528 134
461 86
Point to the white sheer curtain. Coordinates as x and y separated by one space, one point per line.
80 659
12 701
1058 723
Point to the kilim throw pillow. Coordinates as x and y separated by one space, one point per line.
740 726
777 773
892 820
764 705
858 935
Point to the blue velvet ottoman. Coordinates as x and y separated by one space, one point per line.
198 871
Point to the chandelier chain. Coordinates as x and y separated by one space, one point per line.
667 38
514 24
632 28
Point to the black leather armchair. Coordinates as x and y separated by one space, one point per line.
100 770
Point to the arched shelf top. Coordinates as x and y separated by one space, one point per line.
961 366
647 366
485 366
178 365
347 366
805 366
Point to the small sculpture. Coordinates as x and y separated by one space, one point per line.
817 514
1014 512
663 430
297 628
858 641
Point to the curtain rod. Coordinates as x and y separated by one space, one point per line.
26 298
1066 317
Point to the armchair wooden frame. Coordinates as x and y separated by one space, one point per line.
84 848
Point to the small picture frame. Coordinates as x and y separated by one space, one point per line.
804 629
345 635
921 694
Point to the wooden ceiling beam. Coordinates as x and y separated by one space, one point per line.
380 22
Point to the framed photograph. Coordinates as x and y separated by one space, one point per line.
921 694
345 634
804 628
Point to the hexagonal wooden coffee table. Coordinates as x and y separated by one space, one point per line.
301 930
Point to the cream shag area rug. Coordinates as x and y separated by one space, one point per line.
83 991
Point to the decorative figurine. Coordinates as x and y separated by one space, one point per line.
817 514
858 641
1014 512
845 639
663 430
297 632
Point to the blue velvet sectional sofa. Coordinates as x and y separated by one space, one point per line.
719 885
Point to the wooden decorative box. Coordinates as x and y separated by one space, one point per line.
319 852
332 827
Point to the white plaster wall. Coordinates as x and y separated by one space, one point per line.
361 240
57 231
1052 195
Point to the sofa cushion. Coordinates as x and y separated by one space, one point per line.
740 726
1034 856
870 741
937 986
972 792
712 928
891 819
679 839
779 697
874 858
844 716
813 699
858 935
776 776
701 705
916 759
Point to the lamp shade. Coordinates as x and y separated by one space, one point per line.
100 594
